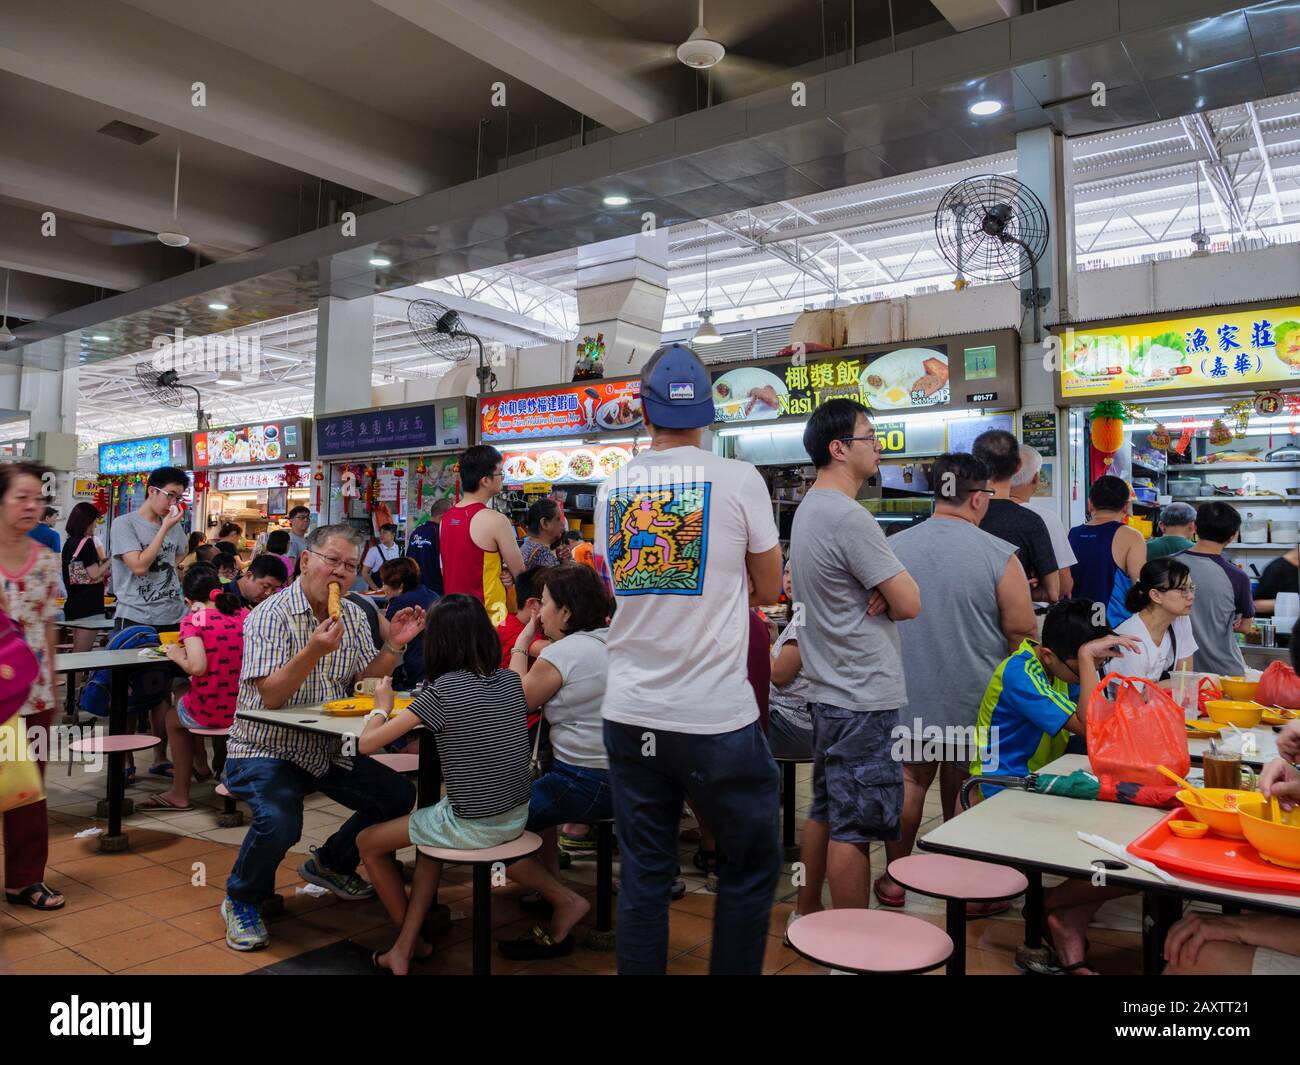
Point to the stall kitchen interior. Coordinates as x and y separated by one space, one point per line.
693 488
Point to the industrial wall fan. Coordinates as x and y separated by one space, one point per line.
994 228
164 387
441 332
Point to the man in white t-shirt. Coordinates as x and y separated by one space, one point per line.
687 542
384 551
1023 486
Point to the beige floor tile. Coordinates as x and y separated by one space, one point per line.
138 946
207 958
141 882
57 963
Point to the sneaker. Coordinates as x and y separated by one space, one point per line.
244 927
790 919
344 885
578 843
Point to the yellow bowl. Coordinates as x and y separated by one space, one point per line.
1234 712
1224 822
165 638
1277 843
1189 829
1238 688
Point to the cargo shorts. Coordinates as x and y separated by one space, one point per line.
857 784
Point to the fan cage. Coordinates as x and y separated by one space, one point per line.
423 317
974 252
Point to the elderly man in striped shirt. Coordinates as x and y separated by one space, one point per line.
296 655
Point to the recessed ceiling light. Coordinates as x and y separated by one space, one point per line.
100 338
218 306
984 108
616 201
380 261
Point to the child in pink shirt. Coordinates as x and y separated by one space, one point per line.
211 652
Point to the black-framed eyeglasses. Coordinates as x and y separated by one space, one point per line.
870 438
336 563
986 491
175 497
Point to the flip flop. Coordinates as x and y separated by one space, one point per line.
202 778
162 769
376 967
159 803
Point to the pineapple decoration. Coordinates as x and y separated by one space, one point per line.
1107 429
1240 413
1160 437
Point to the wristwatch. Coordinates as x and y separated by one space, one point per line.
382 713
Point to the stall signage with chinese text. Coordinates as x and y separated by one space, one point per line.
566 410
244 445
249 480
1221 349
374 431
143 456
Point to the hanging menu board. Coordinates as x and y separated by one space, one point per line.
950 373
251 445
564 410
373 431
144 456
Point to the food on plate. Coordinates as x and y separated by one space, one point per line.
722 390
272 432
1286 342
582 464
935 378
520 468
1158 356
1096 356
749 392
335 607
1230 456
611 460
550 464
272 450
620 412
762 398
905 378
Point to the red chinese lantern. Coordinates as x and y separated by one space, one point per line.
200 482
101 500
292 475
319 479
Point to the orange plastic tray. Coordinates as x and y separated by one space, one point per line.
1212 857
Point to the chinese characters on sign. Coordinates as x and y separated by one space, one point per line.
243 445
400 428
599 406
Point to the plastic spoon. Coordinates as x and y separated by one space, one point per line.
1202 796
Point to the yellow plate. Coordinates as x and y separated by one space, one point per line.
1205 728
1272 717
362 704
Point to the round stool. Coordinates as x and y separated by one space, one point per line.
483 860
787 804
231 815
116 748
602 936
218 758
957 881
399 763
870 941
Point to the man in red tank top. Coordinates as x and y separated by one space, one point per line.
476 541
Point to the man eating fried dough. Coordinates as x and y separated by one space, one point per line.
295 654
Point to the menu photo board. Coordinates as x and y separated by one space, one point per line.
563 410
952 373
370 432
249 445
563 465
146 455
1224 348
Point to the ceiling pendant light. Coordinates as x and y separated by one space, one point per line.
174 238
6 337
707 332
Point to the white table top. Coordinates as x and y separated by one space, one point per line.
97 622
1265 747
76 661
1039 831
310 718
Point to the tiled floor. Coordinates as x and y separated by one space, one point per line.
154 909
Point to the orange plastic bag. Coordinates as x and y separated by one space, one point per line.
1206 691
1141 728
1279 686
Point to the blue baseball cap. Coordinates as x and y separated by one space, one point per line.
676 390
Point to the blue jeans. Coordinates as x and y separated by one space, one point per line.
274 790
733 784
569 793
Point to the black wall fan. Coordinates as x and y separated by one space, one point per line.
441 332
994 228
164 387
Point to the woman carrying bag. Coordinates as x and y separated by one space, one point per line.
85 567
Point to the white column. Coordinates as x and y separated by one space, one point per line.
345 352
622 291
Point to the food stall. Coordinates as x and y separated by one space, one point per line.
926 397
562 441
124 468
1198 408
388 464
252 475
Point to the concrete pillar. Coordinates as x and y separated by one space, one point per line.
345 351
622 292
40 385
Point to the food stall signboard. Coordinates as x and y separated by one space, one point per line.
248 445
249 480
144 456
1215 349
564 410
589 464
398 429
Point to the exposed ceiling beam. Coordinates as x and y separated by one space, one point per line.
132 61
968 14
564 50
1263 154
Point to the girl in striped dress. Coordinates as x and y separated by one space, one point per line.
477 715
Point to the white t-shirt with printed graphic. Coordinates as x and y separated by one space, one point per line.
673 528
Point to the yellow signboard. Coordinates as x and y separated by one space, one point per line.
1214 349
84 487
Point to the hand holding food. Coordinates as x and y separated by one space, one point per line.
326 637
335 608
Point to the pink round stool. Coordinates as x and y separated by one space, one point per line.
115 747
870 941
957 881
210 731
483 860
399 763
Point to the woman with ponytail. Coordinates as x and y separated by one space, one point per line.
1161 602
211 652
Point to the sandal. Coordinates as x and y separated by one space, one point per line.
535 903
535 945
37 896
159 803
987 909
893 902
202 778
162 769
375 967
130 775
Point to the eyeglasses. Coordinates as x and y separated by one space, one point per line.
870 438
1187 589
175 497
986 491
349 568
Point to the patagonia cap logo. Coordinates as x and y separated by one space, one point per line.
681 390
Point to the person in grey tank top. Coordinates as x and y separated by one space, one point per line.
978 608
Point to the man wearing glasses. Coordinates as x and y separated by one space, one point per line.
296 655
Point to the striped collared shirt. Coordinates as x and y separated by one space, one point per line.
277 629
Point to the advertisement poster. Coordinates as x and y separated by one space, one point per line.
1213 349
565 410
904 379
247 445
1038 430
590 464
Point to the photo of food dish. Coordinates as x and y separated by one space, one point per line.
520 468
551 464
242 452
910 377
272 450
582 464
621 413
1097 356
611 460
1286 340
272 432
748 393
227 447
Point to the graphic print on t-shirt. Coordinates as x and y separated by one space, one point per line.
658 539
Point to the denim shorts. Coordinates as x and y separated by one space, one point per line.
569 793
182 712
857 784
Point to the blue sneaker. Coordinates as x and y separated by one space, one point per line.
244 927
344 885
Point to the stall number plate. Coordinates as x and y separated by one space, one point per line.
982 397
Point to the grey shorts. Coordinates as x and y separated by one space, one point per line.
857 784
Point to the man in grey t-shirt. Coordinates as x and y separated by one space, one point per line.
849 591
145 546
1223 605
299 519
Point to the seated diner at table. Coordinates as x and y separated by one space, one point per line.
1161 604
298 654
